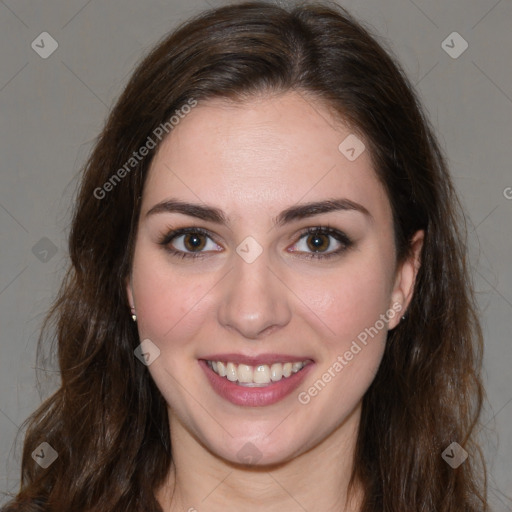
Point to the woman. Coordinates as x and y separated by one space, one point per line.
268 304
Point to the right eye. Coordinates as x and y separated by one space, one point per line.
189 242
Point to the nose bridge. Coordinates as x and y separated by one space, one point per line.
253 298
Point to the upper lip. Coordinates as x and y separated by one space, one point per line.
256 360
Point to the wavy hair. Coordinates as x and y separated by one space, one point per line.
108 421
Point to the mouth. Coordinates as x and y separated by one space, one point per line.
263 383
255 376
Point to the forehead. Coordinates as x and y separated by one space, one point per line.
261 155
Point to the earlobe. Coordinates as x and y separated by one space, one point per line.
405 279
129 291
129 294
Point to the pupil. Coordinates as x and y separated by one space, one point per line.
318 242
193 242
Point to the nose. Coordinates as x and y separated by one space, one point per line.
255 300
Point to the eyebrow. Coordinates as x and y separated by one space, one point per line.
293 213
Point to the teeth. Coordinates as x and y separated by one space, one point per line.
244 373
254 376
221 368
296 367
261 374
231 372
276 372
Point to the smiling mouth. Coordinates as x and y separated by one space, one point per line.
260 375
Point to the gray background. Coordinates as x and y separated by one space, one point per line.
51 110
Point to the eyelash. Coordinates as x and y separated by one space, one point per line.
341 237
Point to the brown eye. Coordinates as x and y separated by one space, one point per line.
190 242
318 242
322 242
194 241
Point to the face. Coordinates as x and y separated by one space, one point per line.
265 275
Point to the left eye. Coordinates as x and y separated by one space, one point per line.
322 242
193 242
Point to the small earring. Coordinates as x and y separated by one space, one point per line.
403 318
134 316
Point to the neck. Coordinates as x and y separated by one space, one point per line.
317 479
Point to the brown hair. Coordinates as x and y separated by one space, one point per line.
108 421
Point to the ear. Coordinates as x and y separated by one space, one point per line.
129 291
404 280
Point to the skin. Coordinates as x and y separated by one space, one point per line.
253 160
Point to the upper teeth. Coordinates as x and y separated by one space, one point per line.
255 375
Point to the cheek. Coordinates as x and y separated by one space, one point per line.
350 301
353 344
171 310
169 304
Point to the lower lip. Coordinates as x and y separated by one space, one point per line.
257 396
